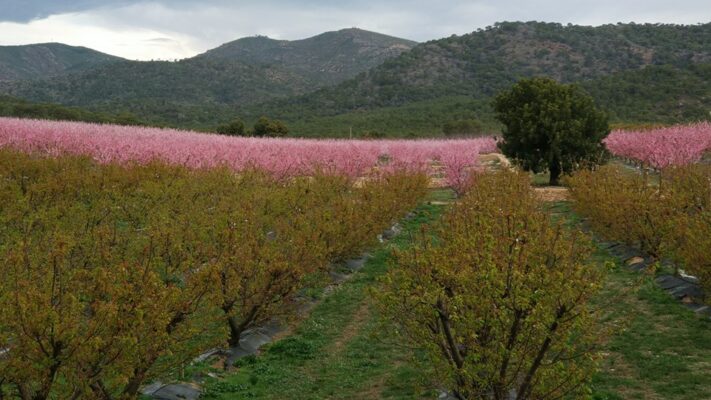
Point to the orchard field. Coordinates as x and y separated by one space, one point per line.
150 263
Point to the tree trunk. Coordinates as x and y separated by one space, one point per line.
235 331
134 383
555 172
236 328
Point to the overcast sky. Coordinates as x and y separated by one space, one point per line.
169 29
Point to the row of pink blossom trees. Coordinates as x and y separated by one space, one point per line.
663 147
282 157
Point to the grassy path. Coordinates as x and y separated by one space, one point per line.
663 350
339 351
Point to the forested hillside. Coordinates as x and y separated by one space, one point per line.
637 72
246 71
325 59
47 60
481 63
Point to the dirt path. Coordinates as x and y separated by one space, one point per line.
551 193
358 320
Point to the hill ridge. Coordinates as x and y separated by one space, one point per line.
43 60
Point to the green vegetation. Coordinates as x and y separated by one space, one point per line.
234 128
417 119
203 91
550 126
12 107
482 63
655 94
264 127
325 59
463 127
44 60
637 73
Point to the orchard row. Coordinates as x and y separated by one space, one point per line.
113 273
280 157
668 217
663 147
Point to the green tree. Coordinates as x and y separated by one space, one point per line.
127 118
270 128
234 128
550 126
372 134
462 127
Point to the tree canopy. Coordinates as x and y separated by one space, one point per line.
550 126
270 128
234 128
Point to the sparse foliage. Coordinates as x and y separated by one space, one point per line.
667 218
497 297
115 273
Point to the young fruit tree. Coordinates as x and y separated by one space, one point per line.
496 297
550 126
105 281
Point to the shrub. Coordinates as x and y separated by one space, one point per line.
104 275
692 193
497 296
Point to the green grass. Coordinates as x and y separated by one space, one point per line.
340 351
661 350
540 179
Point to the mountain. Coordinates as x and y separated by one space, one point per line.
488 60
245 71
47 60
638 72
324 59
660 94
656 94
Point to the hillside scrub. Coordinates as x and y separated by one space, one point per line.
115 273
496 295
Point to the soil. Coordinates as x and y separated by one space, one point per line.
552 193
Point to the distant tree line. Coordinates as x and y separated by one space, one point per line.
264 127
13 107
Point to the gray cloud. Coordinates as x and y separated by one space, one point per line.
191 26
27 10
